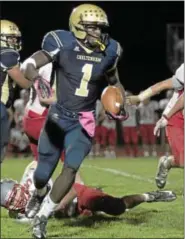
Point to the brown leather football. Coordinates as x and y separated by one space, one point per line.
112 99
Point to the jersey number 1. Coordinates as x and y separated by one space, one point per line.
87 72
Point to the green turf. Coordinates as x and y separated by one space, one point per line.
117 177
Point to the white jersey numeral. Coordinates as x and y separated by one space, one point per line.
87 73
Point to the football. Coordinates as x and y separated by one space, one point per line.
111 99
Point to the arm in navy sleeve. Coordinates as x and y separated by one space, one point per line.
9 60
49 53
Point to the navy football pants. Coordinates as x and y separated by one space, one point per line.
62 131
4 130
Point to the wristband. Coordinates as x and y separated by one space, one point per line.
145 94
164 116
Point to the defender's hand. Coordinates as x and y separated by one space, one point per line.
132 100
161 123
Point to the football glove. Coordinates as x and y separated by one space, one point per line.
161 123
122 115
42 87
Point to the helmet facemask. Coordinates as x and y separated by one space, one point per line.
17 198
96 36
11 41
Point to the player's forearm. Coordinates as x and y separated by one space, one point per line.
170 103
16 75
179 105
156 89
67 199
32 64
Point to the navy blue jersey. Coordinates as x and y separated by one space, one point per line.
8 59
79 71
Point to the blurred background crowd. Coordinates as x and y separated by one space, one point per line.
132 138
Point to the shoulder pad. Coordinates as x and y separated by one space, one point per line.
114 48
9 58
66 37
53 41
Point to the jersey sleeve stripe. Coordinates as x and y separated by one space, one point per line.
7 51
55 37
58 41
118 49
4 68
45 37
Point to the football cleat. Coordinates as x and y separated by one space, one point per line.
39 227
161 196
34 203
21 218
162 172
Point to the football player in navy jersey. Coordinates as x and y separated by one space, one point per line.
10 40
83 56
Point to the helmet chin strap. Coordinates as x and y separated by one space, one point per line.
99 43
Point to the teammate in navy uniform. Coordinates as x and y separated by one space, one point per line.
10 40
83 56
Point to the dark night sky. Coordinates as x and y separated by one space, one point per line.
140 27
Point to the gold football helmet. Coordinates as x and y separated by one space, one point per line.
10 35
84 15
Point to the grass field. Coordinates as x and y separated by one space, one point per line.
117 177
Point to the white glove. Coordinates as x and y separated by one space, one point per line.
161 123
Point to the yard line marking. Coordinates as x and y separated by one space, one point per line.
122 173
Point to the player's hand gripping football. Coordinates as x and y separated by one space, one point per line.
161 123
122 115
43 87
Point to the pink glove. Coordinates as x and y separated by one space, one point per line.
43 87
123 115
